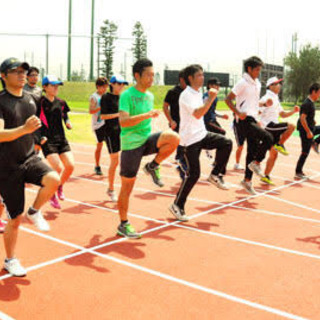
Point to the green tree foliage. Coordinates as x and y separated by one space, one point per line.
139 48
302 71
108 35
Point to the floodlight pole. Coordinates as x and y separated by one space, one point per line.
69 41
92 40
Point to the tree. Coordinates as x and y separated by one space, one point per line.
139 48
107 38
303 70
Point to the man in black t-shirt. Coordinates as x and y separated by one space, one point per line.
18 162
307 129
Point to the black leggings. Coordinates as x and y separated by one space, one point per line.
192 159
259 141
306 146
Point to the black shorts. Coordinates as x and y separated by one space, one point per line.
239 135
100 134
276 129
113 140
12 183
58 147
131 159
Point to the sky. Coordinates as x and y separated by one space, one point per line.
218 34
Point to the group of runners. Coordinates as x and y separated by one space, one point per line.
31 119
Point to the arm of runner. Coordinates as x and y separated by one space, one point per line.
32 124
166 111
93 108
231 96
109 116
129 121
287 114
201 111
265 103
303 121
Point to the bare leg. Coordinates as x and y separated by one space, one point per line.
50 183
167 143
273 154
97 154
286 135
10 236
123 202
68 163
114 161
238 153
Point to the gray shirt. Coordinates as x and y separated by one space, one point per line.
36 91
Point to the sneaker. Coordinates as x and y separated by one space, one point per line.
155 174
98 171
218 182
238 166
315 147
267 180
280 148
209 154
178 213
300 176
60 193
39 221
255 167
128 231
2 226
14 267
112 195
248 187
54 202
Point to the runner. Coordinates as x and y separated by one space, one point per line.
195 137
247 94
97 123
56 150
17 124
171 111
307 129
269 118
136 111
110 114
31 85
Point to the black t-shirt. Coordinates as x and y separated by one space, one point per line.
309 110
172 98
51 115
15 111
110 104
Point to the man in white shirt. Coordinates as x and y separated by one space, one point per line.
247 94
194 137
269 119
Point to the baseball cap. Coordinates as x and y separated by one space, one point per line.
51 79
214 81
13 63
118 79
273 80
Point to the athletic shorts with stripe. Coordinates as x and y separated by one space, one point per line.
113 140
239 135
276 129
12 183
58 147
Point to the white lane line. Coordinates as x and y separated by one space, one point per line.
4 316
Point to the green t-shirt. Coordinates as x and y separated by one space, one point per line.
135 102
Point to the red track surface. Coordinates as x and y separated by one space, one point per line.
239 257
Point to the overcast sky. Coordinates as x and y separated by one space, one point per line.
217 34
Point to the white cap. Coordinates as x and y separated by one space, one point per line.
273 80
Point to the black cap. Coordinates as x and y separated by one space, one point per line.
214 81
13 63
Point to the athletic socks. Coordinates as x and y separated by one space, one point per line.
153 165
32 211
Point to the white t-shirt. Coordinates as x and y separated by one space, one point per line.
96 121
270 114
191 130
247 93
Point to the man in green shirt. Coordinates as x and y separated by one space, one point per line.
135 113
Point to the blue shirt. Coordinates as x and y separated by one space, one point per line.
210 116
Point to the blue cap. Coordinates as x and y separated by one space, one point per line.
118 79
51 79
